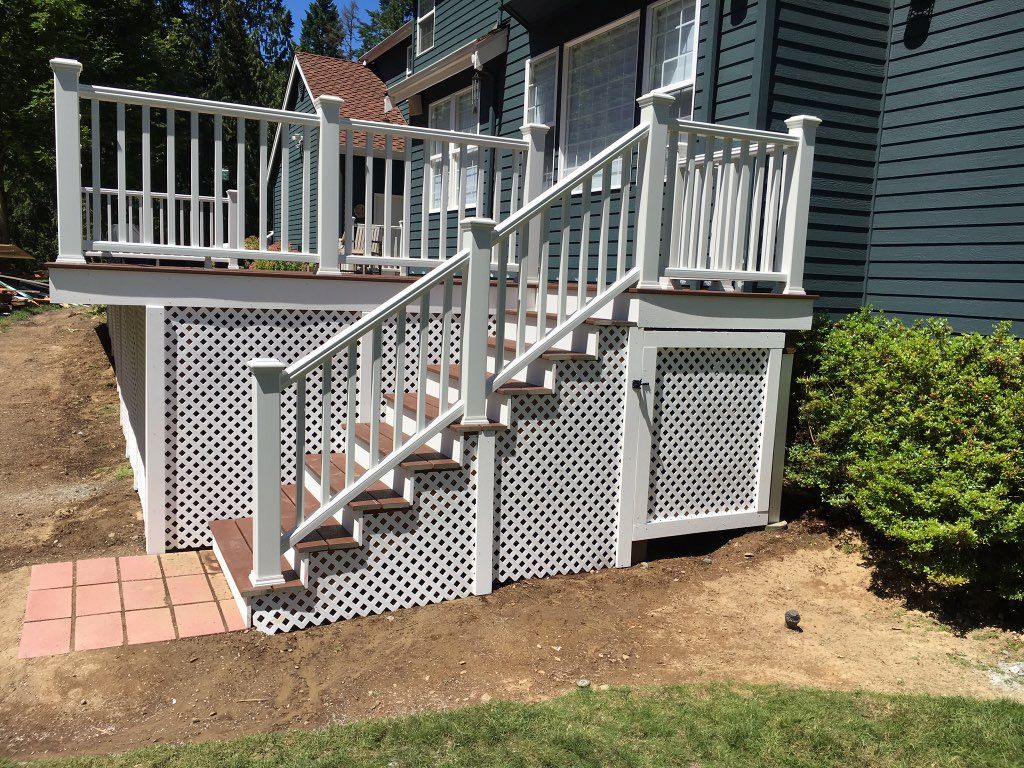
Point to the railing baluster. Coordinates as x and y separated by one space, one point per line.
523 286
446 334
375 395
350 222
771 207
388 181
463 172
407 200
626 161
240 180
193 188
286 156
601 278
172 201
757 208
501 288
351 413
368 194
563 258
97 204
218 181
682 218
326 387
399 375
300 449
263 202
122 200
496 191
739 240
146 211
442 239
307 193
583 261
542 272
423 341
704 252
427 184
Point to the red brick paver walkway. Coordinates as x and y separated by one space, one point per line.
107 602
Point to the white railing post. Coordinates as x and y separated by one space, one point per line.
266 511
655 111
798 202
328 190
478 238
533 185
67 137
232 224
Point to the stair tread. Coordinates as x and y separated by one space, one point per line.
433 409
552 353
328 536
513 386
424 459
552 318
234 541
379 497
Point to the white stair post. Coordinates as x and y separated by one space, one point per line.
533 185
69 159
328 189
794 228
478 237
655 111
266 512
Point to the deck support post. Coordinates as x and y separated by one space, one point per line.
655 111
153 512
794 228
69 159
779 452
533 185
328 184
478 238
483 577
266 512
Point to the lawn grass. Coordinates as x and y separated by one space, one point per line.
706 725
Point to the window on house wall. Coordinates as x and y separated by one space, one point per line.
672 52
600 91
425 26
541 101
459 112
408 59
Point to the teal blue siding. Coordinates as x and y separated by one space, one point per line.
947 233
829 61
299 101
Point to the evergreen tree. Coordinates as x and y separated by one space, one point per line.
350 27
389 16
322 32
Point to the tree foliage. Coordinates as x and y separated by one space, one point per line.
389 16
921 433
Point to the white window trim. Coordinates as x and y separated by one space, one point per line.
420 50
554 52
563 109
649 42
453 154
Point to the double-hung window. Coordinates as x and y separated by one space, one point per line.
459 112
672 52
541 100
600 91
425 26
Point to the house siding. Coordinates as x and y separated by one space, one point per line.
947 234
829 60
299 101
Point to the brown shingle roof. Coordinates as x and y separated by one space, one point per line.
360 89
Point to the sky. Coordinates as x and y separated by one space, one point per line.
298 9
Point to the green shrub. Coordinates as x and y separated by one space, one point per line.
920 432
252 243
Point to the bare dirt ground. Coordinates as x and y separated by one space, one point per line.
711 612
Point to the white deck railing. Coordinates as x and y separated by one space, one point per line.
180 151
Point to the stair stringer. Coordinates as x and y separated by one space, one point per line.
418 556
558 470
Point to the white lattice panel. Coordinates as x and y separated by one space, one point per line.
558 470
208 459
127 328
706 432
419 556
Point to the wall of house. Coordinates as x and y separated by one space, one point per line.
947 234
299 101
828 60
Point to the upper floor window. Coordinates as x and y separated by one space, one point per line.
671 54
600 91
541 101
459 112
425 26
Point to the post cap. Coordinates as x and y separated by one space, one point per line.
534 128
266 365
803 121
477 223
66 65
654 98
329 106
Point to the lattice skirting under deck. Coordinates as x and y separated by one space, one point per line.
558 469
127 329
419 556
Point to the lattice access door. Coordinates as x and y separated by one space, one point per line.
705 407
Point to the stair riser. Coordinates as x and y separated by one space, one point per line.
583 339
446 445
540 372
497 407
